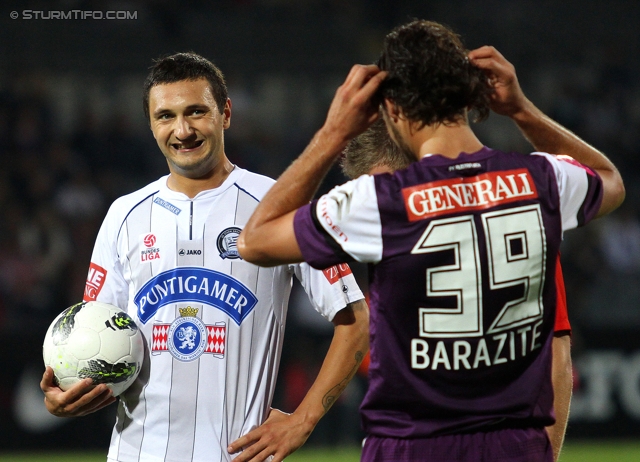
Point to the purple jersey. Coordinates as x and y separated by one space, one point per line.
462 287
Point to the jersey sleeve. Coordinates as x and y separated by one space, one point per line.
343 225
580 190
331 289
105 280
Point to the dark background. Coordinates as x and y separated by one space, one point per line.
73 138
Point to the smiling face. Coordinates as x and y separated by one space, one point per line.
189 127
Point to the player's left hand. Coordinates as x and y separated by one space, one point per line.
280 435
508 98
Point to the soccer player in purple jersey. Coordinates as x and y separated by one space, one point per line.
373 152
462 247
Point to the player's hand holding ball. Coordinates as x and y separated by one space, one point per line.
92 352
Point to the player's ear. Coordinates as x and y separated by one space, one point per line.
226 114
392 109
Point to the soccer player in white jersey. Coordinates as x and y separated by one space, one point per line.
213 323
462 247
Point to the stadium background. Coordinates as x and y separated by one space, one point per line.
73 137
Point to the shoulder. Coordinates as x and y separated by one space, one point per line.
253 184
123 205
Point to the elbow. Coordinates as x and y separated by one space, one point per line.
614 194
246 248
620 192
251 251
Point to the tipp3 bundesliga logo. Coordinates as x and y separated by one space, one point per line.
195 285
187 338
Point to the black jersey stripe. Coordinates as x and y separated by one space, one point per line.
131 210
245 191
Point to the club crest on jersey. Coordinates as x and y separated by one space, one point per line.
189 284
228 243
187 338
148 251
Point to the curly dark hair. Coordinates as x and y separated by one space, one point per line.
430 77
185 66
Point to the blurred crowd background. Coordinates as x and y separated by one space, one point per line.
73 138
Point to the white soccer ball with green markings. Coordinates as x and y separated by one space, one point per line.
95 340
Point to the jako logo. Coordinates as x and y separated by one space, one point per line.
183 252
149 240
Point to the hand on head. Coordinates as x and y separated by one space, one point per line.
508 98
353 108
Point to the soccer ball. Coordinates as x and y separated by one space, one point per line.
96 340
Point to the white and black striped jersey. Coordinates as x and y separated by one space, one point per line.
213 323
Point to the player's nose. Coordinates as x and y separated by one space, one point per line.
182 130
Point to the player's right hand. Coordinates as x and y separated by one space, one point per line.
353 108
81 399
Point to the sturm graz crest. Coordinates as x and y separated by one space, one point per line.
64 325
103 372
187 338
228 243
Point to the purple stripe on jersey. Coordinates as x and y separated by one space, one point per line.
509 445
592 201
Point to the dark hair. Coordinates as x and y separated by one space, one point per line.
374 147
430 77
185 66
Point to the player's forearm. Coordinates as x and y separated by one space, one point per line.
295 188
349 346
546 135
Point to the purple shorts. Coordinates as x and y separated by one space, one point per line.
513 445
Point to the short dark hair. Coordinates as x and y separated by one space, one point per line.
185 66
430 77
374 147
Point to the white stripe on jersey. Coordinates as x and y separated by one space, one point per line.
355 198
572 188
164 252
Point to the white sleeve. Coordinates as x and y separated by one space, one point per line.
329 290
349 214
573 187
105 280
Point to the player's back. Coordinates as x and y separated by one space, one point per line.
463 297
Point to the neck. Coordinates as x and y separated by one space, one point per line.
192 186
446 140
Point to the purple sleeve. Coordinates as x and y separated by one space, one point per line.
593 200
312 240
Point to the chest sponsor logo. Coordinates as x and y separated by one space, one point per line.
167 205
195 285
149 251
335 272
95 280
227 243
187 338
465 194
